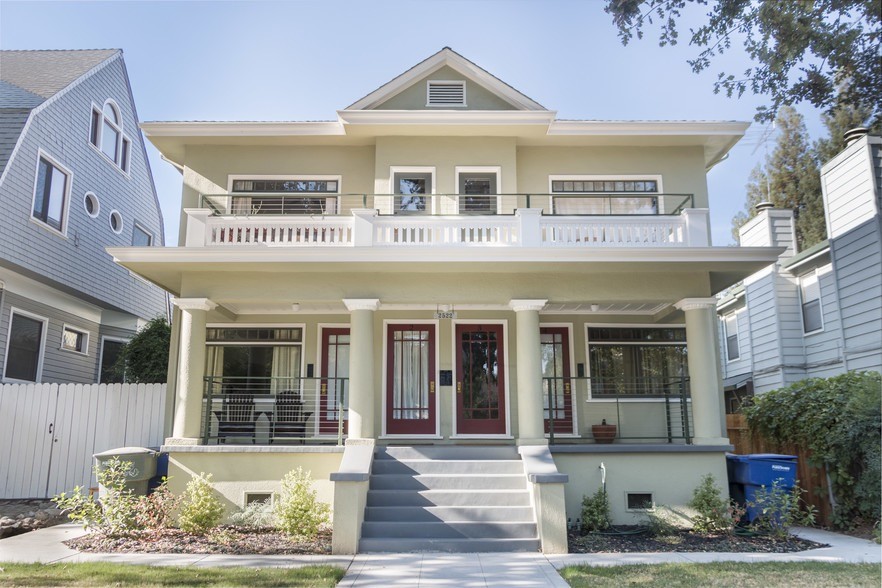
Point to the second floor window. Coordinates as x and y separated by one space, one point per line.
731 325
596 195
810 295
106 134
284 196
141 237
50 194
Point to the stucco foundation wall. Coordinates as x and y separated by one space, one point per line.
249 470
670 477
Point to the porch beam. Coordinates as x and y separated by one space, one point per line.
361 367
191 370
531 427
704 370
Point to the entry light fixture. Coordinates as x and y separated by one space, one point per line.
595 307
295 306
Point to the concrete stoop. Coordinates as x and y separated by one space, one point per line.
454 499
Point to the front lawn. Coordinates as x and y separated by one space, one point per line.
106 574
742 575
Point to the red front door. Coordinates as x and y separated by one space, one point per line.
557 389
480 380
410 380
334 383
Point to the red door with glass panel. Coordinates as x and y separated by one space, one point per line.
410 380
480 380
557 389
334 382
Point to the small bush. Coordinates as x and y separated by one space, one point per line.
779 509
664 521
157 509
595 512
298 511
202 509
116 513
257 515
713 513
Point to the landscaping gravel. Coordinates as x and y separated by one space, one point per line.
685 541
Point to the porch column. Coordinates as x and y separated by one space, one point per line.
704 370
531 424
361 367
191 370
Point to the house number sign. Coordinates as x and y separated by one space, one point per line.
449 314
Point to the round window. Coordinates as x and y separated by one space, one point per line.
116 222
91 204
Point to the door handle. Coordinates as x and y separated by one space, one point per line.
459 387
432 387
51 427
324 389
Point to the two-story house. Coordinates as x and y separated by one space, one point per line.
505 308
75 179
818 312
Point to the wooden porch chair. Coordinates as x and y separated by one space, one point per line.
236 418
289 420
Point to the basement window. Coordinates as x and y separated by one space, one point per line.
639 501
445 93
255 497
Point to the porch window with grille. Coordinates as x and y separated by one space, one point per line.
810 294
258 360
291 196
731 326
642 362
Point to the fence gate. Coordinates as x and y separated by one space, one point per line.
49 432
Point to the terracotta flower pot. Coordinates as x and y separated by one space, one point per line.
603 433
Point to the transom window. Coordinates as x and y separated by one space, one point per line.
51 193
731 325
810 294
74 340
270 196
107 135
627 362
598 196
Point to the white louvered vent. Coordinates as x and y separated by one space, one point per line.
446 94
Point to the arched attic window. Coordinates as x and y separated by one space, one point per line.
107 134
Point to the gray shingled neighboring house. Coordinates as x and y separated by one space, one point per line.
75 179
818 312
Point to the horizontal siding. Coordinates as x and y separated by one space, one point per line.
849 189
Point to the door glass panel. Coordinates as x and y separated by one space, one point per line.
553 372
477 193
480 369
410 375
337 367
412 190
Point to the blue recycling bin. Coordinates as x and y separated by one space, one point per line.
748 473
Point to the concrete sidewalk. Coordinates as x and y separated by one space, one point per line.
431 569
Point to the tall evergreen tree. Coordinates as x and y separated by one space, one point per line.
789 179
841 120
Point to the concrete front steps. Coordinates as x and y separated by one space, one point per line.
455 499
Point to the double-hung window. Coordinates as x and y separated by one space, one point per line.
810 295
730 323
51 192
24 347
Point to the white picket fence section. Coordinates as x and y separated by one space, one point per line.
49 432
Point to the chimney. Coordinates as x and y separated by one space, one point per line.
854 134
771 227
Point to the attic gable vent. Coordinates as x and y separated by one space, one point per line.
446 93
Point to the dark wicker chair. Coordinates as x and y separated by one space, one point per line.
236 418
289 420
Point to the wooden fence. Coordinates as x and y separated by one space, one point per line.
812 479
49 432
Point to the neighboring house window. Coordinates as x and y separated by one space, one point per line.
285 196
444 93
116 222
636 361
581 195
74 340
810 294
24 347
106 134
91 204
110 352
141 237
51 193
731 325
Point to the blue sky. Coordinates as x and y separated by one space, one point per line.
304 60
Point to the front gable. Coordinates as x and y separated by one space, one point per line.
479 89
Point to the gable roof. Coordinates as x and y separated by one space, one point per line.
450 58
45 73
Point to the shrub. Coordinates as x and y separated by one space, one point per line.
779 509
712 510
116 513
259 514
298 511
595 512
201 509
661 521
156 510
839 420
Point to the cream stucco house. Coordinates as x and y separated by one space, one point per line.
430 301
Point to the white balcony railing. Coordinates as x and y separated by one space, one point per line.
526 228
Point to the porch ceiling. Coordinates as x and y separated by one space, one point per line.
435 276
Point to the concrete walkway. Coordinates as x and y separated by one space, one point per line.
431 569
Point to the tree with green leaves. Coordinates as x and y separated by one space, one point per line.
144 359
825 52
790 178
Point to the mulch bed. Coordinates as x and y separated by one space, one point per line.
226 539
684 541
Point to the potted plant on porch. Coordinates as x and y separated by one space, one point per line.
603 433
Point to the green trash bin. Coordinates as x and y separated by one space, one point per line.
143 468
